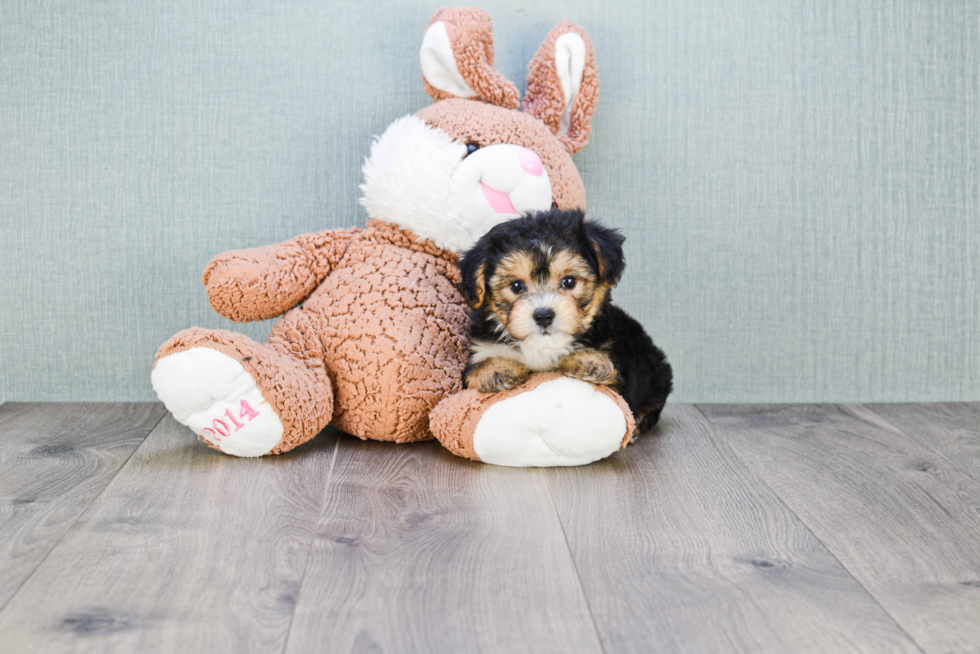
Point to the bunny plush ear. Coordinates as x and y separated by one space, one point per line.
457 59
563 84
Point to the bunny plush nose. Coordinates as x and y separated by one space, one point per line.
499 182
530 162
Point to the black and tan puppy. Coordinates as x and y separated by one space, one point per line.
539 287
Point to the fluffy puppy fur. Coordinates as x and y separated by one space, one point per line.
539 288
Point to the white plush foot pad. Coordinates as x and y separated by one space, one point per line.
563 422
215 396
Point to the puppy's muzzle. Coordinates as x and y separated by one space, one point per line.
544 317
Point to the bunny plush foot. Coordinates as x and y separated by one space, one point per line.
229 391
549 421
214 395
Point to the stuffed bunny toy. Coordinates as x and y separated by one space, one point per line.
373 332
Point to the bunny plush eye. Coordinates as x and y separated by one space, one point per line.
471 148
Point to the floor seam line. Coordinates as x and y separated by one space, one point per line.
80 515
309 551
824 545
571 556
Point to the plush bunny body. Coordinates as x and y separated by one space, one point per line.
374 332
375 345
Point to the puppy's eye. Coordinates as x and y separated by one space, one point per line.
517 287
568 282
471 148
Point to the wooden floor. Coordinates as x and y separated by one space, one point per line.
790 528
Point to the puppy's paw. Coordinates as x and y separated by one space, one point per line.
589 365
497 374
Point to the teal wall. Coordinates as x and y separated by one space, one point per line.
798 181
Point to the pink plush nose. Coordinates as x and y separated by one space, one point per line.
530 162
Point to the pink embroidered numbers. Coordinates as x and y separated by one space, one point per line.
220 428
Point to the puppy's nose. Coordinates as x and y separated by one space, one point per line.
544 317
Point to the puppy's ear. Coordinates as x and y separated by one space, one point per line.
607 244
473 268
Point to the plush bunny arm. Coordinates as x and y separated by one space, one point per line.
264 282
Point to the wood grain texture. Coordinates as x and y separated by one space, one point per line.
54 460
902 519
952 429
420 551
681 548
186 550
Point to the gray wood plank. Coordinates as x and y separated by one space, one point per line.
902 520
186 550
421 551
952 429
681 548
54 460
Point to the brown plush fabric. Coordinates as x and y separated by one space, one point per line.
546 100
470 33
454 420
393 328
468 121
262 283
375 346
298 387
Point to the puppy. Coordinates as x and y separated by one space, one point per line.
539 289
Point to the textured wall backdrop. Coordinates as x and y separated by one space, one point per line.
797 180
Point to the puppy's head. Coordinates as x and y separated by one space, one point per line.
546 274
